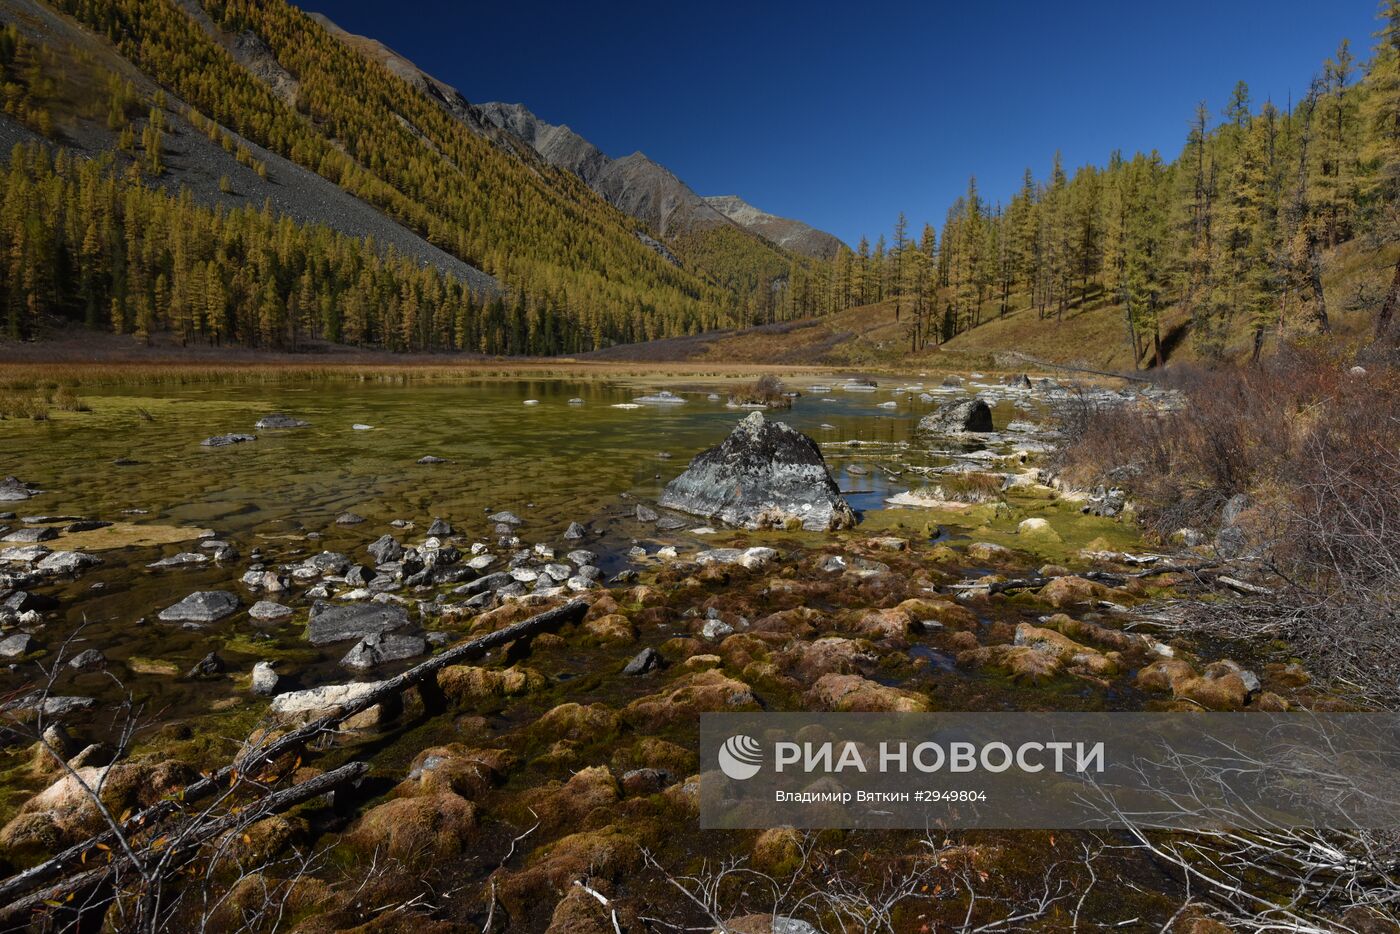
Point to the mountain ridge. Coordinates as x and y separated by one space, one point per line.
791 234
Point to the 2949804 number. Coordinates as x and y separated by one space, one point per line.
959 794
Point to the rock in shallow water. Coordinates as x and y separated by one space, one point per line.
647 659
66 562
954 418
330 623
21 643
265 680
14 490
269 611
204 606
379 648
278 420
31 536
220 441
765 474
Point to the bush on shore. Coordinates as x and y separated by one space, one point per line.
1311 442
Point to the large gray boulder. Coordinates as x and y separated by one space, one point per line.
955 418
330 623
766 474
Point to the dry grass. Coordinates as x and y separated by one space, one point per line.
26 377
36 399
767 390
1314 449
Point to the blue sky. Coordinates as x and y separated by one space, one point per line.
845 114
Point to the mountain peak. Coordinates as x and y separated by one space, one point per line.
787 233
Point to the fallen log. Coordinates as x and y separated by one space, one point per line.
274 803
1101 577
55 866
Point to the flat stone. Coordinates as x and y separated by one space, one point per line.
31 536
67 562
57 706
380 648
750 558
183 558
204 606
314 702
278 420
27 554
506 517
349 518
17 644
15 490
88 658
220 441
86 525
432 459
269 611
330 623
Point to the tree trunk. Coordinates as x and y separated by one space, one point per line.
1392 300
1315 280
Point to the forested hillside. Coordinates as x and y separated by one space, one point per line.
1229 239
1271 222
575 272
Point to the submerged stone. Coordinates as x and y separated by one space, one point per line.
278 420
765 474
220 441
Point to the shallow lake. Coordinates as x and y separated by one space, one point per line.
136 459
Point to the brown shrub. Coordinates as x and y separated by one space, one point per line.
1315 447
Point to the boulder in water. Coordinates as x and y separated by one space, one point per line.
329 623
15 490
204 606
955 418
765 474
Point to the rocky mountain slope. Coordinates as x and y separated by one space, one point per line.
789 234
651 192
197 164
633 184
